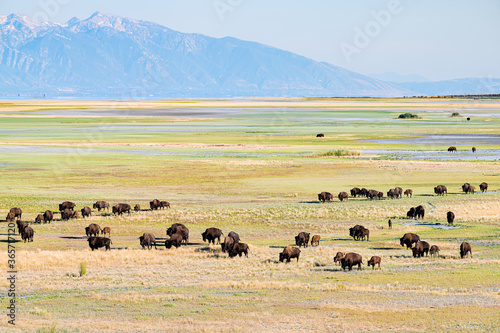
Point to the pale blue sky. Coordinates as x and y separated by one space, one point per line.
437 39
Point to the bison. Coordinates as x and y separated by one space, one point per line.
234 236
101 205
399 192
472 189
464 249
164 204
380 195
373 261
365 233
66 205
411 213
92 229
68 214
343 196
355 191
39 218
320 135
420 212
27 234
288 253
351 259
325 196
466 188
175 240
239 249
315 240
390 224
10 216
106 230
211 234
179 228
86 211
372 194
20 226
18 212
408 239
338 257
98 242
440 190
434 250
391 194
409 193
364 192
420 248
452 149
450 216
121 208
302 239
228 244
48 216
137 208
155 204
147 240
354 232
483 187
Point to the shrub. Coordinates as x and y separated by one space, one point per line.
341 152
408 115
83 269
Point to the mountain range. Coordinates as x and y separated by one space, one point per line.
109 56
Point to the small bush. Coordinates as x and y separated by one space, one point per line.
341 152
408 115
83 269
455 114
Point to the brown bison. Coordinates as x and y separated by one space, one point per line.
380 195
364 192
409 193
411 213
66 205
39 218
86 211
315 240
101 205
20 226
343 196
147 240
155 204
234 236
239 249
320 135
365 233
27 234
399 192
390 224
211 234
420 212
408 239
164 204
48 216
473 149
338 257
440 190
325 196
466 188
391 194
179 228
355 191
18 212
434 250
68 214
351 259
452 149
92 229
450 216
372 194
373 261
421 248
228 244
175 240
288 253
137 208
98 242
355 231
483 187
472 189
302 239
106 230
464 249
121 208
10 216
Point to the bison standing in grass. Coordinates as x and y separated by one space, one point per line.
325 196
355 191
211 234
408 239
434 250
338 257
106 230
288 253
101 205
18 212
315 240
98 242
39 218
92 229
351 259
483 187
409 193
66 205
137 208
343 196
302 239
464 249
373 261
421 248
175 240
86 211
20 226
450 216
179 228
147 240
440 190
239 249
27 234
48 216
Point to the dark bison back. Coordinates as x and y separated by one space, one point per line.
27 234
408 239
48 216
98 242
211 234
325 196
101 205
18 212
302 239
234 236
179 228
147 240
355 191
483 187
351 259
239 249
464 249
66 205
175 240
92 229
86 211
228 244
288 253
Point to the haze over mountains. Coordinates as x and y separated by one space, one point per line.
114 57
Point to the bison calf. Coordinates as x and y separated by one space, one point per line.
315 240
373 261
434 250
338 257
106 230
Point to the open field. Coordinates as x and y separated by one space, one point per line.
255 167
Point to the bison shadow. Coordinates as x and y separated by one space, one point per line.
208 249
312 202
384 248
74 237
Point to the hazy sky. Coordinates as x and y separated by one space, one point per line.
443 39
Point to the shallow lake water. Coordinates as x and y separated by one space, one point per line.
433 155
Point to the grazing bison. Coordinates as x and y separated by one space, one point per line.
450 216
452 149
10 216
320 135
86 211
39 218
464 249
364 192
121 208
66 205
290 252
373 261
211 234
239 249
164 204
390 224
98 242
380 195
101 205
18 212
355 191
365 233
137 208
302 239
228 244
48 216
147 240
391 194
420 248
343 196
483 187
411 213
338 257
351 259
106 230
68 214
325 196
408 239
354 232
399 192
440 190
409 193
473 149
472 189
175 240
27 234
92 229
434 250
420 212
315 240
179 228
235 236
155 204
20 226
372 194
466 188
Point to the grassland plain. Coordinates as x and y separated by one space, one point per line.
253 166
